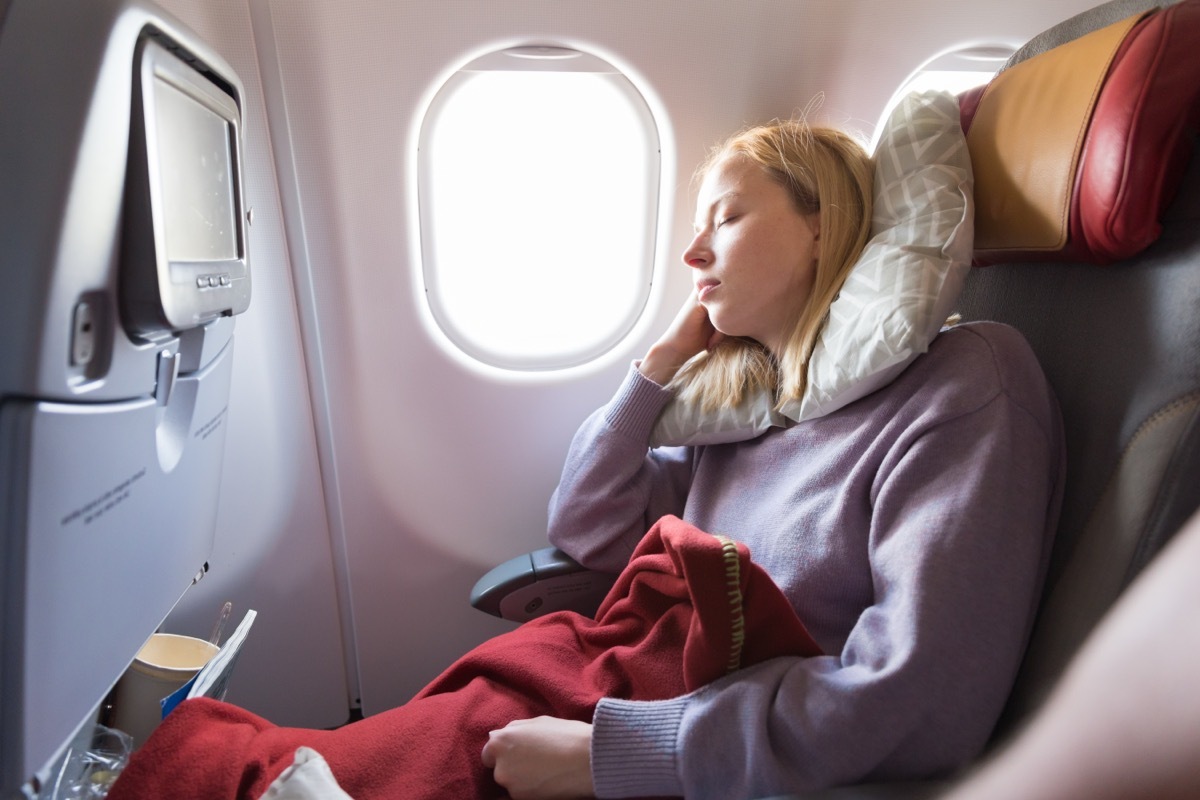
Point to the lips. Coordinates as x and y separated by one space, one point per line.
705 287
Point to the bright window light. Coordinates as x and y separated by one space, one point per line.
539 172
955 72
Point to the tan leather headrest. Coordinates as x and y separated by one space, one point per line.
1077 150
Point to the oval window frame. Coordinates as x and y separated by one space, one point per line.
538 58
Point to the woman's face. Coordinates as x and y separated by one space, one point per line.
754 255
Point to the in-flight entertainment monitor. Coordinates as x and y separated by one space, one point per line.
184 258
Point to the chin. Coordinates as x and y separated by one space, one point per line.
729 330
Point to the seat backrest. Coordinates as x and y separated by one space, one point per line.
1120 343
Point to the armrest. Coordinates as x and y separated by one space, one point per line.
538 583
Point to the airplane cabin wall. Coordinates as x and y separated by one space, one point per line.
372 476
272 545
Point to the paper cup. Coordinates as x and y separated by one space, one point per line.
166 662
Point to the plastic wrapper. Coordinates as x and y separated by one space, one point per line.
86 773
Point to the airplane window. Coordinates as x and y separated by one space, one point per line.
954 71
537 194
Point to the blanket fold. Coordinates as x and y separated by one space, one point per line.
688 608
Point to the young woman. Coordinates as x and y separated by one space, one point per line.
909 529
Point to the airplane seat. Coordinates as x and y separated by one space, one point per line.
1087 192
1105 285
1113 320
125 262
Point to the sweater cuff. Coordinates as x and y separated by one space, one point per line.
637 405
634 751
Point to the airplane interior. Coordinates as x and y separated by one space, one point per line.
305 303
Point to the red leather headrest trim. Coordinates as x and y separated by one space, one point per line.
968 104
1142 134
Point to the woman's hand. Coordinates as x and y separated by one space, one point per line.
688 334
542 758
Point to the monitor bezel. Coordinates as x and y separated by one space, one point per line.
161 295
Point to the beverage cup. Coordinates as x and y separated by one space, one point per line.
166 662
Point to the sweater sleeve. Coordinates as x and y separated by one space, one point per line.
613 485
958 543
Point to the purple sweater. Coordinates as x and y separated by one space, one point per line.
911 532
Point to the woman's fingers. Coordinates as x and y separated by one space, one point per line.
689 333
541 759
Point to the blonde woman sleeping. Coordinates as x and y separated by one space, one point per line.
908 519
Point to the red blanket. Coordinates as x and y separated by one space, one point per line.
689 608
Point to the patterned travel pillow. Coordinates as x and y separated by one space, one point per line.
895 298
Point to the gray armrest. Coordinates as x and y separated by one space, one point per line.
538 583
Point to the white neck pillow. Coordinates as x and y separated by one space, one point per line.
898 294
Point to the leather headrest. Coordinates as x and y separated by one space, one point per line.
1077 150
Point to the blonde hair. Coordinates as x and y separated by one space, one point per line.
826 171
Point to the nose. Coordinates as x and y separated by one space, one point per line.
698 253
